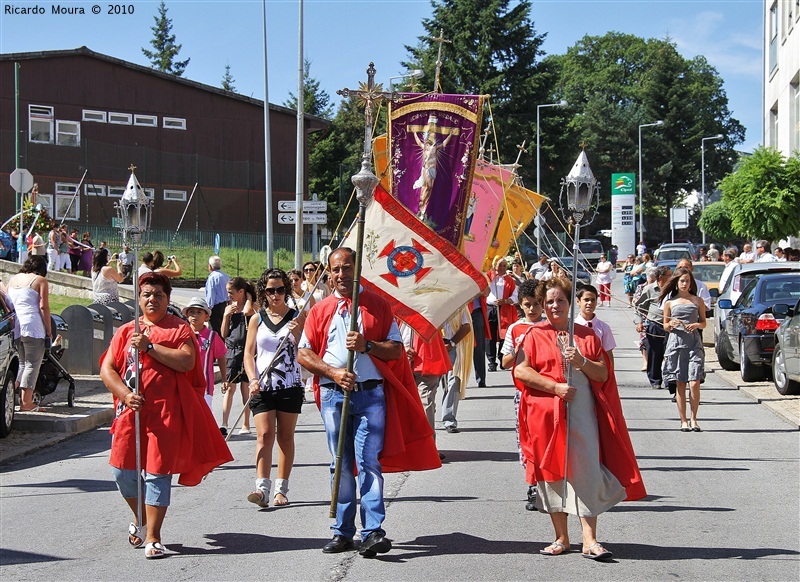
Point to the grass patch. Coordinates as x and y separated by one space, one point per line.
59 303
245 263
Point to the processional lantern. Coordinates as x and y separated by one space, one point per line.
135 210
582 191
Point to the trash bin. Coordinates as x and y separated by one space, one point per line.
87 338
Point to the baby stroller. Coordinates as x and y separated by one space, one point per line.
51 372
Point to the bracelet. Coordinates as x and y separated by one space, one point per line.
253 380
583 364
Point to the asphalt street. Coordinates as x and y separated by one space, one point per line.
722 505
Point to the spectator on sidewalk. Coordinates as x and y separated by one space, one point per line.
216 291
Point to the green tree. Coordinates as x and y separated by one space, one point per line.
316 101
228 80
494 50
763 195
616 82
716 222
165 51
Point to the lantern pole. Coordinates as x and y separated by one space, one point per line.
134 211
580 187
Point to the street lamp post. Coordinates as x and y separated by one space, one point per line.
413 74
703 174
641 200
538 221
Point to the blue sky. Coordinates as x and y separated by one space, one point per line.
343 36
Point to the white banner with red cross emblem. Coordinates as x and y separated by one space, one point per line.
421 274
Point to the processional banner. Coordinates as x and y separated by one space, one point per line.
422 275
433 139
518 211
485 203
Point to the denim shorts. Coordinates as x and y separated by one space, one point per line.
157 488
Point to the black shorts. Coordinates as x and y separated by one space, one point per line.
286 400
235 366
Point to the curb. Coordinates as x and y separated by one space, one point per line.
787 408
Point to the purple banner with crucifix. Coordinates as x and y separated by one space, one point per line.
432 143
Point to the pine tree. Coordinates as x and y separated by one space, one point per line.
165 50
316 101
228 80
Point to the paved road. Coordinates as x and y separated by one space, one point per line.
722 505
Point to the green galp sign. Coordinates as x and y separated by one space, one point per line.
623 184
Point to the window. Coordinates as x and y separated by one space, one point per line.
94 190
46 200
40 123
150 193
68 133
120 118
773 37
146 120
98 116
67 205
174 123
116 191
176 195
773 126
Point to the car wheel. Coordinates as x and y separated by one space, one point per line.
722 355
783 384
7 399
750 372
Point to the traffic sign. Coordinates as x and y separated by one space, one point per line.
308 206
216 244
288 218
21 180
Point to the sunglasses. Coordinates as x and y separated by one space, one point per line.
275 290
309 270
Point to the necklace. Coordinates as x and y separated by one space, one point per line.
274 314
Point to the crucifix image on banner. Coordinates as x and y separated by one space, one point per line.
432 144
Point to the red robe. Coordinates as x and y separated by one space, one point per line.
542 416
408 443
432 358
178 431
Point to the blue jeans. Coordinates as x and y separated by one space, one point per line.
364 442
157 488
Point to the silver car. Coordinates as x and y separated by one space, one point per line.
736 283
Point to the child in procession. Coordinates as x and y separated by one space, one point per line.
587 303
212 347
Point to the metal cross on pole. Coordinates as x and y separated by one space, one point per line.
441 40
365 182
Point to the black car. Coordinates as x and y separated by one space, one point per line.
9 364
786 359
584 274
751 323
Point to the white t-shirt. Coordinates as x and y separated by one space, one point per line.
604 277
601 330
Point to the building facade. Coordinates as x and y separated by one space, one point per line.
87 116
782 75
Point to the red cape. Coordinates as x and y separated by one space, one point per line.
542 416
178 430
408 443
507 313
432 358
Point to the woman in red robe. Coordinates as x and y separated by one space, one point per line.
178 433
602 468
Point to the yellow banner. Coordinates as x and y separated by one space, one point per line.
380 156
518 211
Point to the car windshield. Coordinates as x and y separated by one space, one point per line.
566 262
673 255
708 272
590 246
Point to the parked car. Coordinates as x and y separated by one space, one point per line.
584 272
750 325
591 250
671 257
737 281
9 364
786 358
684 246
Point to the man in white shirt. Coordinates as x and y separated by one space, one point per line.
763 254
729 257
747 256
540 267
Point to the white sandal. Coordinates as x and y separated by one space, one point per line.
154 550
138 533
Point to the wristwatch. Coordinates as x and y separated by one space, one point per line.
368 347
148 347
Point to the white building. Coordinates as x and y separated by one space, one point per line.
782 75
